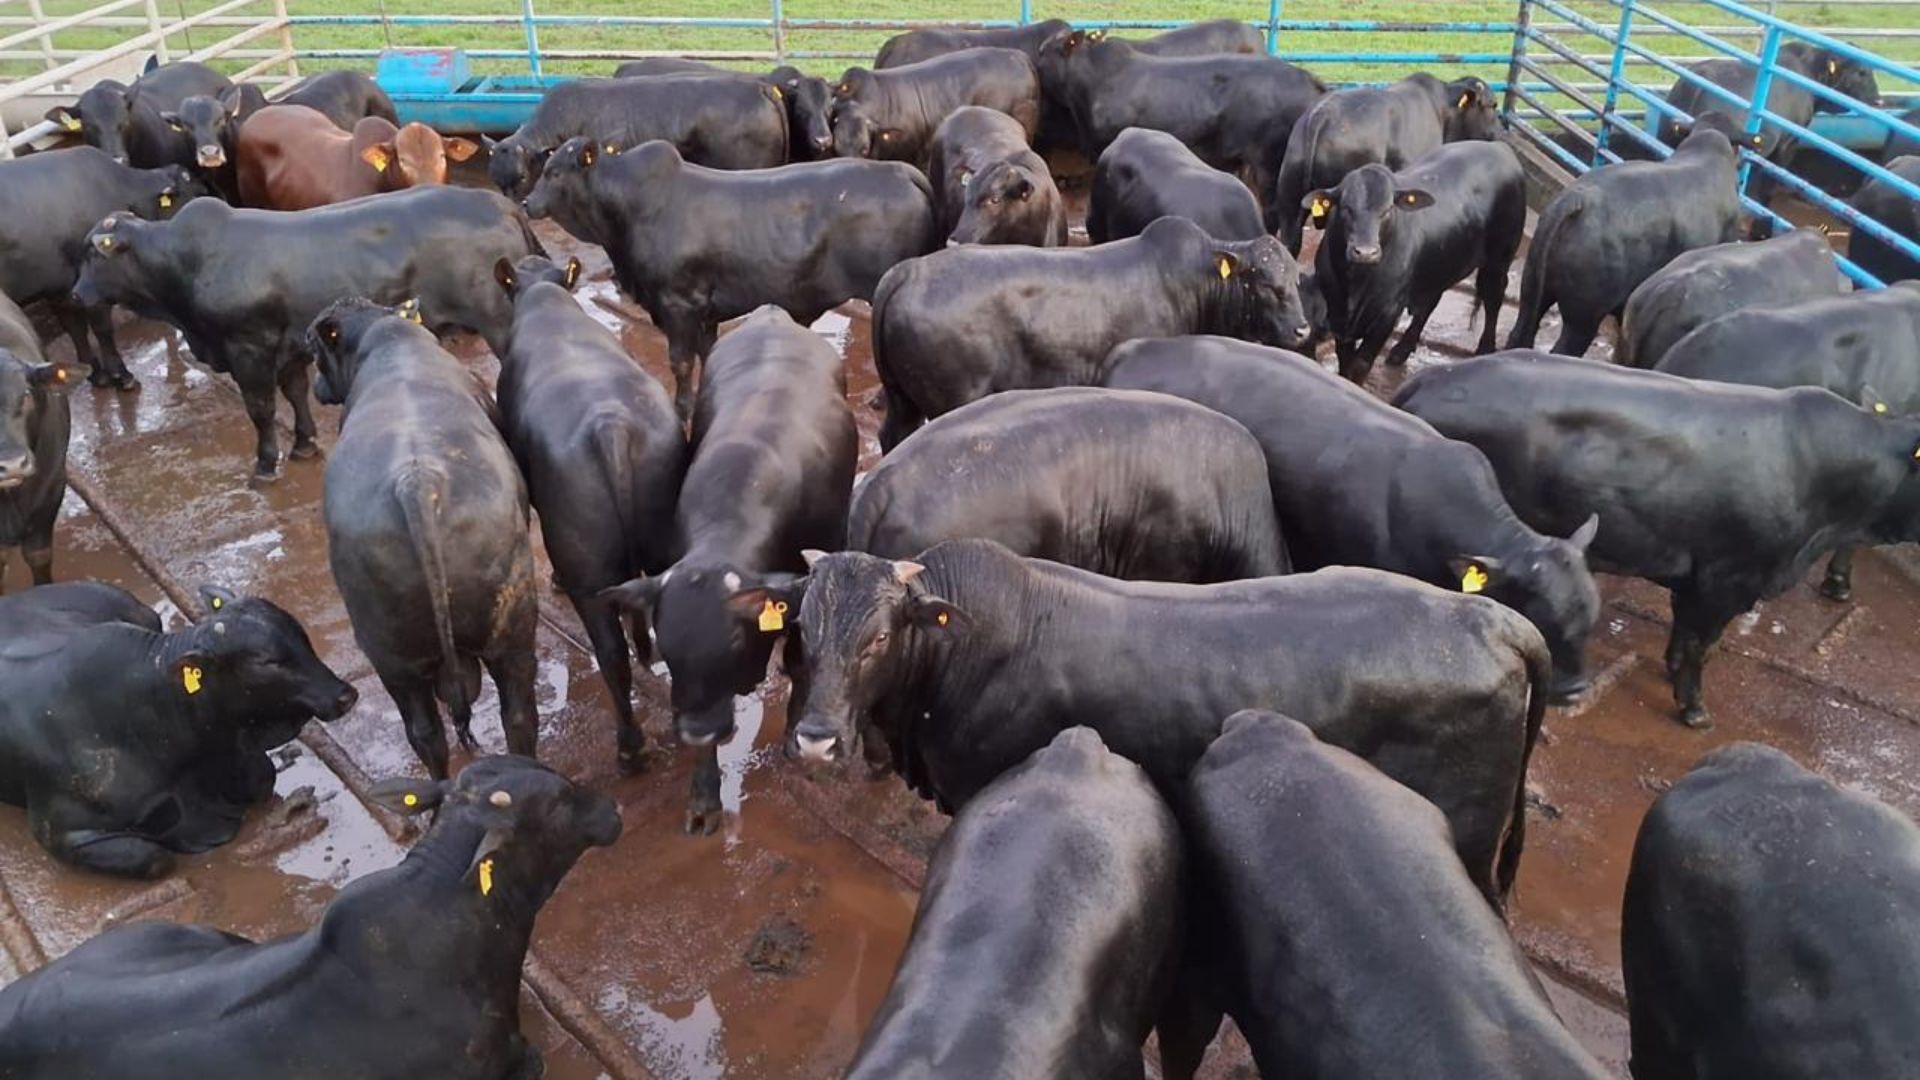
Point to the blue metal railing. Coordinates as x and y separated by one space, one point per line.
1529 110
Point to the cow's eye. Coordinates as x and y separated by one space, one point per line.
878 643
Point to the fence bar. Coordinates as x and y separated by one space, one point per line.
286 38
65 22
161 50
46 41
1614 75
1762 93
23 87
533 38
1522 21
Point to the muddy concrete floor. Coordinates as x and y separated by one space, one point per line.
761 952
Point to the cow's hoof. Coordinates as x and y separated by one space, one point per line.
263 477
1839 590
126 383
99 379
1696 718
633 763
703 822
305 452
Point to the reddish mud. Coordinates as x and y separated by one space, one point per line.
761 952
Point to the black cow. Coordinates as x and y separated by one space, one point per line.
1393 125
891 114
917 45
211 126
1145 175
1234 112
243 285
989 187
1724 494
1209 38
126 743
1702 285
1136 486
344 97
1879 201
1359 483
727 123
48 202
412 971
1614 227
1771 927
1900 144
1784 99
965 322
603 453
774 448
1332 892
808 99
34 425
426 527
1069 865
1397 241
970 658
127 123
698 246
1864 346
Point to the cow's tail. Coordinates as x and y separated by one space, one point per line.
1539 661
612 443
903 415
1534 300
534 246
420 492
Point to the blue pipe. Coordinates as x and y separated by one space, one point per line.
1273 27
1615 75
533 38
1762 91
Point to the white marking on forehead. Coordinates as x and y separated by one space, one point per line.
220 627
731 581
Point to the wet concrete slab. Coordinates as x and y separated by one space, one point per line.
761 952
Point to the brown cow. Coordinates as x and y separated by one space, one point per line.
293 158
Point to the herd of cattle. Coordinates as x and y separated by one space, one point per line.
1229 670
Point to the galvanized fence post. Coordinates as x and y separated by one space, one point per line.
1026 11
46 43
1762 90
1521 22
1614 75
779 14
286 38
1273 27
153 24
533 38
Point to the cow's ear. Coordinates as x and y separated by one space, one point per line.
68 117
572 276
1871 401
1475 573
934 613
1225 263
405 795
189 671
173 121
1096 35
905 570
1582 537
379 155
56 374
459 149
589 153
759 604
216 598
1412 199
640 594
1318 205
231 100
812 556
503 273
1023 190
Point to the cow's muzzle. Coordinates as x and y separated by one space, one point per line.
211 157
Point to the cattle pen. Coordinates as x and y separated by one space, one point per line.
762 952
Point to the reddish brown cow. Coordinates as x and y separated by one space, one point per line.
293 157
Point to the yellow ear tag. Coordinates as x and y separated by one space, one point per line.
1465 96
486 876
190 679
1474 580
773 617
71 123
777 95
410 799
1226 268
378 159
1833 67
942 618
166 201
1319 210
1880 407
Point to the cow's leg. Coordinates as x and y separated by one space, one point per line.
1188 1020
703 807
295 381
602 620
902 418
526 1062
1357 364
3 571
420 713
37 549
1839 581
258 396
100 318
516 675
1410 340
1490 288
1577 331
119 853
1700 615
73 323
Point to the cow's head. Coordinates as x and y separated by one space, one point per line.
809 100
857 135
1701 133
1358 215
113 271
251 662
103 117
531 270
1849 77
23 390
1548 582
998 199
715 627
1471 112
1254 285
1057 53
415 156
166 190
565 191
334 340
209 124
861 620
513 166
509 826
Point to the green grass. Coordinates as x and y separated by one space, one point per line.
678 39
